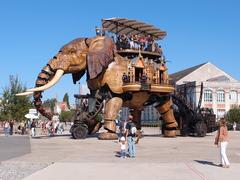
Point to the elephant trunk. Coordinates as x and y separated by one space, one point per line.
44 76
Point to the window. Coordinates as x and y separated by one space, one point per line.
207 95
220 96
233 97
220 113
138 73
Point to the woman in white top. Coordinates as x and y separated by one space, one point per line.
6 128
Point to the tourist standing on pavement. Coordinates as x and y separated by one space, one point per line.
221 141
11 127
50 128
130 134
234 126
6 128
122 147
23 128
33 128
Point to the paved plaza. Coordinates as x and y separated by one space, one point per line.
61 157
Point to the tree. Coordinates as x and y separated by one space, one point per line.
66 99
50 103
67 115
233 115
14 107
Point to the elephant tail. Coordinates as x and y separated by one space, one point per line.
44 76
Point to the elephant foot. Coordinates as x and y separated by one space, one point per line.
107 136
170 130
170 133
110 134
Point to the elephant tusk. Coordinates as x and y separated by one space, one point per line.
54 80
24 94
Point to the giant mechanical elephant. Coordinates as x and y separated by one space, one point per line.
105 68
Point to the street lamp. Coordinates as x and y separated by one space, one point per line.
79 90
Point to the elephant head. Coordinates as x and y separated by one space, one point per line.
93 54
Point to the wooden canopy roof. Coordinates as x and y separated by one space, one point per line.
132 27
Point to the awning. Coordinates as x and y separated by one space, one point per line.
31 116
132 27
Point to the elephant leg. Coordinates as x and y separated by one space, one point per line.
111 111
137 118
166 111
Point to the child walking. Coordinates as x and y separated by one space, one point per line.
122 147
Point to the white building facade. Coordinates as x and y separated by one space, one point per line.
221 92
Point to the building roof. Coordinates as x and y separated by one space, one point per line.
180 74
219 79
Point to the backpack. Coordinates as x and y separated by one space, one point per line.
133 129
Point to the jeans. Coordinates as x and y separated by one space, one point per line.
11 131
223 147
131 146
6 131
122 153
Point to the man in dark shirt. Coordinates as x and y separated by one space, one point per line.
130 137
11 127
33 126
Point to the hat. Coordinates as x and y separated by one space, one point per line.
122 138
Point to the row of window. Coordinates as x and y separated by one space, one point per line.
208 96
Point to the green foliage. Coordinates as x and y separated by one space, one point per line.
99 117
14 107
50 103
233 115
66 99
67 115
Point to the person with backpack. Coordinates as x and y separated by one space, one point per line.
130 134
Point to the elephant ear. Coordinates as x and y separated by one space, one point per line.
77 76
101 54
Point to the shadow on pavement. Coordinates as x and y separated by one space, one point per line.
64 135
206 163
117 154
152 135
51 136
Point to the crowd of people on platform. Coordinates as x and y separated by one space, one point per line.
134 42
137 42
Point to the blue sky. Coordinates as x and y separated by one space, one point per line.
31 32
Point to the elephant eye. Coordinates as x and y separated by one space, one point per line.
72 51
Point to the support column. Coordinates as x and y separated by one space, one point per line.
166 111
137 118
111 111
